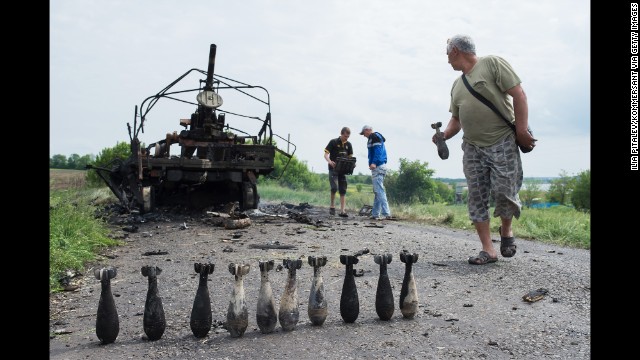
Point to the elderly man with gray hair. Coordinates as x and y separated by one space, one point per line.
491 160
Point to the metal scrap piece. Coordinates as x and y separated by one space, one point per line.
535 295
271 246
157 252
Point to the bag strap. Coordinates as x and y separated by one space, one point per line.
487 102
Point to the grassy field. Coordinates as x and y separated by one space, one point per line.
559 225
60 179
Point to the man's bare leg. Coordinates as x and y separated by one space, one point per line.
484 232
505 229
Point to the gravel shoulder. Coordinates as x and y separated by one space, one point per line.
466 311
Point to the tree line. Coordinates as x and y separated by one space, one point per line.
73 162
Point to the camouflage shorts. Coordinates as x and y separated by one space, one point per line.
493 170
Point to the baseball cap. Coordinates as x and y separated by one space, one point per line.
366 127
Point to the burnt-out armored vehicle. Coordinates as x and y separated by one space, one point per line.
209 162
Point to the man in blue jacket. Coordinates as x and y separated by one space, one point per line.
378 166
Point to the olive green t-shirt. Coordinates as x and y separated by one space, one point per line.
492 76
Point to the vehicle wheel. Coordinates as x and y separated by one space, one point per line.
249 196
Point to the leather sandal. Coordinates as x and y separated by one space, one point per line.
482 258
507 245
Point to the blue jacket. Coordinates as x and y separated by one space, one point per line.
377 152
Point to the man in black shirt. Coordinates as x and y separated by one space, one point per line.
338 147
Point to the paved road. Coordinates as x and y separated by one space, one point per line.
466 311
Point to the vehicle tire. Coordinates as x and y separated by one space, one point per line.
249 196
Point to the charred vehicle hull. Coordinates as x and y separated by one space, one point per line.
216 163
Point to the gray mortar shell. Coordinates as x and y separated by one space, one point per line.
409 292
237 312
289 313
266 314
317 308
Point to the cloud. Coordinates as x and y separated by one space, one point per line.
325 64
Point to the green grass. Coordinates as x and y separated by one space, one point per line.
558 225
75 234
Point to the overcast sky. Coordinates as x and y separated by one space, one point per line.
326 64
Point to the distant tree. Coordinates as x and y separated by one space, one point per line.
83 161
295 174
412 183
581 196
561 188
368 180
445 192
106 158
72 160
58 162
530 190
360 178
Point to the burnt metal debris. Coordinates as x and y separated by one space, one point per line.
216 164
535 295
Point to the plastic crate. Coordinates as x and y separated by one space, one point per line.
345 165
